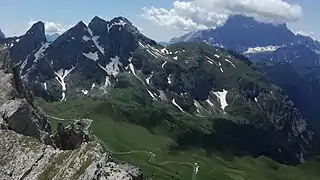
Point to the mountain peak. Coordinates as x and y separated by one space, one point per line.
77 30
1 34
122 21
81 24
250 21
98 25
37 31
120 18
250 30
97 19
37 27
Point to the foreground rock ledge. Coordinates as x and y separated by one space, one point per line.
24 157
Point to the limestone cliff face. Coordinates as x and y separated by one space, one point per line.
23 157
17 106
28 150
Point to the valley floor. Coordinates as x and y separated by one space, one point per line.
149 151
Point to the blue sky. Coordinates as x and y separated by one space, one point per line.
16 14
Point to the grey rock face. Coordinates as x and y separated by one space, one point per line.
71 137
17 109
27 150
24 157
17 114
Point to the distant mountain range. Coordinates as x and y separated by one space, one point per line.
52 37
258 40
163 43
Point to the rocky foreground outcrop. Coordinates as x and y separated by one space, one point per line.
28 150
23 157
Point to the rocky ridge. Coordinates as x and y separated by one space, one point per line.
28 150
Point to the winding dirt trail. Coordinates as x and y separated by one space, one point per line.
195 167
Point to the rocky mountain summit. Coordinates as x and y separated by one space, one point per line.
1 34
29 150
113 61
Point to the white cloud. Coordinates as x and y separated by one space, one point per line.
203 14
310 34
52 27
303 33
139 28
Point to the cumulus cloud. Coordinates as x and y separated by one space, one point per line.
203 14
52 27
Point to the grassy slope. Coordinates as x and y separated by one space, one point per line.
123 136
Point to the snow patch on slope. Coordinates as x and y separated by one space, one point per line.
120 23
220 67
148 79
107 83
23 65
222 98
164 64
93 56
133 71
211 61
258 49
152 95
45 86
85 38
230 62
174 103
210 103
113 68
60 76
85 92
165 51
39 53
198 105
96 43
169 79
152 50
